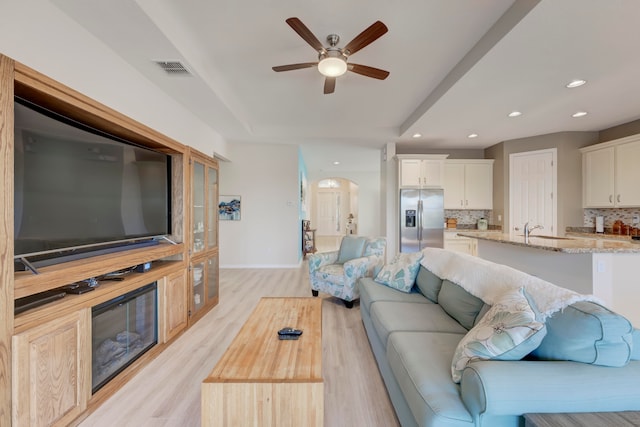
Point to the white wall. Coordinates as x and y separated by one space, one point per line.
39 35
268 234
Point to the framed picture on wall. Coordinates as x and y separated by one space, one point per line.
229 208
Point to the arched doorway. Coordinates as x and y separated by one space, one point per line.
334 211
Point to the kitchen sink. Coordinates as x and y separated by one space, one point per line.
539 236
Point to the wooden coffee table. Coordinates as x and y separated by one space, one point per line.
261 380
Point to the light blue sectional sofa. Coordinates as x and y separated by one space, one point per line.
583 359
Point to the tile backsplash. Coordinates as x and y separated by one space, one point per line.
468 217
610 215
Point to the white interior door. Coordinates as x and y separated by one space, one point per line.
532 189
328 213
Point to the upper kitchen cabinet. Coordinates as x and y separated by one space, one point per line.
610 173
468 184
421 171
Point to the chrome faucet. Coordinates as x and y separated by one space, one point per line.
527 231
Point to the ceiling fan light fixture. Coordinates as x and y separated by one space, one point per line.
332 64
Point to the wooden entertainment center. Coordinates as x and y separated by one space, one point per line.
56 338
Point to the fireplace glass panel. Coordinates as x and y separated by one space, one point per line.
123 329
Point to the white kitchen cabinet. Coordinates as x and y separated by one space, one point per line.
627 176
468 184
610 174
598 177
421 171
466 245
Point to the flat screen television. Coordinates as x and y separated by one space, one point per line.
78 189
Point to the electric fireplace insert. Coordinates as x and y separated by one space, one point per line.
123 329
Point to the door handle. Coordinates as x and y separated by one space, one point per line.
610 198
618 198
517 228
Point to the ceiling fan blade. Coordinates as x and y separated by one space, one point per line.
365 70
305 33
294 66
329 85
368 36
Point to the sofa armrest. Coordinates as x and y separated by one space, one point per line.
520 387
320 259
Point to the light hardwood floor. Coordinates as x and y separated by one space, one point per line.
167 391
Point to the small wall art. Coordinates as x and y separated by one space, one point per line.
229 208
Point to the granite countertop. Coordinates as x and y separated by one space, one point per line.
470 230
565 245
593 235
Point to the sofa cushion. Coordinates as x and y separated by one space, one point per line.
351 247
510 330
459 304
333 273
388 317
589 333
485 308
428 283
401 272
420 363
370 292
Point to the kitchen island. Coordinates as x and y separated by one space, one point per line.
606 269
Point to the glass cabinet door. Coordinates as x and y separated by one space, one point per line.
197 272
198 207
212 220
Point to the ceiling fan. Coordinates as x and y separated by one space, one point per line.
332 60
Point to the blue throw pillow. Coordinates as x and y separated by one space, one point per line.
401 272
351 248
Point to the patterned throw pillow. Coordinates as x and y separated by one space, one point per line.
510 330
401 272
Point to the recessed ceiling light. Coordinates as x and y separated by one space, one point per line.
515 114
416 135
336 163
575 83
579 114
472 135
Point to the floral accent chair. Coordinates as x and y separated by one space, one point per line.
337 272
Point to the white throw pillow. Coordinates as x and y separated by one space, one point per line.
510 330
401 272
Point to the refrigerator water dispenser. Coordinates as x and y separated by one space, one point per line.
410 218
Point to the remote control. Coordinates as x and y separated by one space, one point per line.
289 331
288 337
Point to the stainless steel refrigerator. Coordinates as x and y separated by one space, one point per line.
421 219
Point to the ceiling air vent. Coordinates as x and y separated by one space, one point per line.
173 67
